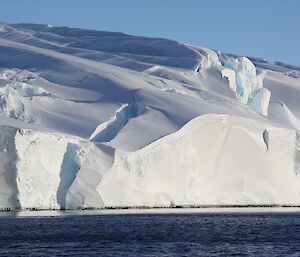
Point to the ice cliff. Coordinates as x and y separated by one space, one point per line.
213 160
95 119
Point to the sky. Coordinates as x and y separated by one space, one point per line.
260 28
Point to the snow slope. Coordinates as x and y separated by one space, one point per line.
91 119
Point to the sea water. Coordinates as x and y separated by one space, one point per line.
198 232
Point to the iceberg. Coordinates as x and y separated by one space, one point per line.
95 119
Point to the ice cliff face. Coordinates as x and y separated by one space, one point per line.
213 160
201 164
93 119
49 171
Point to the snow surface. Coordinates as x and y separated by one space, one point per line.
93 119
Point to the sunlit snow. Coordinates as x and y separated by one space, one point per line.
95 119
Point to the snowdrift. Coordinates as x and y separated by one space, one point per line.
95 119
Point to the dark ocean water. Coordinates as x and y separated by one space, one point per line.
170 234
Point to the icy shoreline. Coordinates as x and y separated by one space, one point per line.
152 211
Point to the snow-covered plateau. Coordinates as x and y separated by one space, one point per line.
94 119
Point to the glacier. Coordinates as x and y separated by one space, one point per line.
95 119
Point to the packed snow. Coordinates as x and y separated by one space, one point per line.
95 119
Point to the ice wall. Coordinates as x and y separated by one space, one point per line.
42 170
40 157
247 82
8 170
94 162
213 160
297 156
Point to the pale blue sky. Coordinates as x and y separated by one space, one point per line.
262 28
